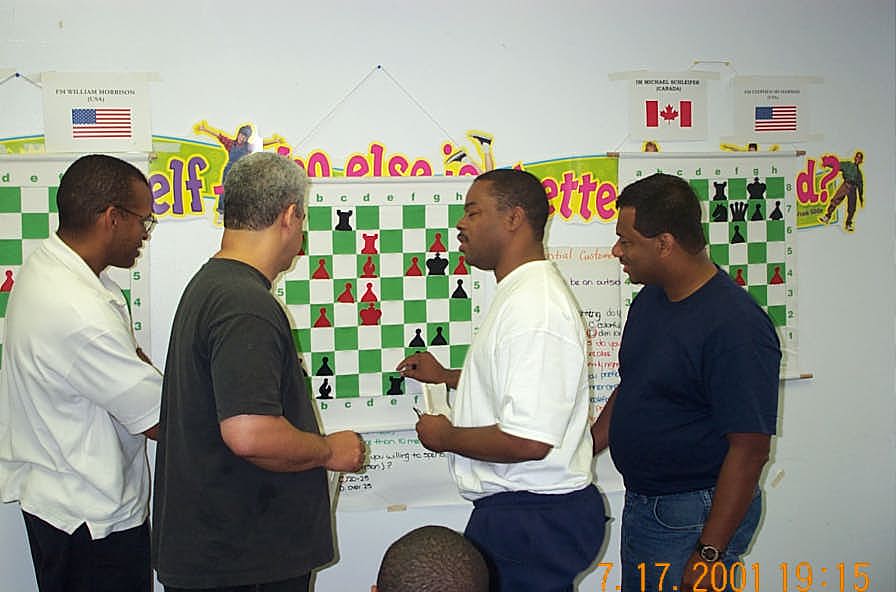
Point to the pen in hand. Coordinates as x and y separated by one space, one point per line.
417 411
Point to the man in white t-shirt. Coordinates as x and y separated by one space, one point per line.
78 398
519 434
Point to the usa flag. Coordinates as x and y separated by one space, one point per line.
101 123
778 118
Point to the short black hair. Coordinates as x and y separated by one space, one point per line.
666 203
512 188
90 185
432 559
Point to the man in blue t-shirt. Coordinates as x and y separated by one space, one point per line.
690 424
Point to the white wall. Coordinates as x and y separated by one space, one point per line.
535 75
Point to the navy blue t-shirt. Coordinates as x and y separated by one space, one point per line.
692 371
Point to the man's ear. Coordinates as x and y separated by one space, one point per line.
373 588
665 243
516 217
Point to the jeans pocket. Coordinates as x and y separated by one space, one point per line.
686 511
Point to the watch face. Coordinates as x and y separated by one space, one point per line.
708 553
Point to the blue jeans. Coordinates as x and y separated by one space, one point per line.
665 529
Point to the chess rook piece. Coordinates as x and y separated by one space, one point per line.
395 383
369 244
344 223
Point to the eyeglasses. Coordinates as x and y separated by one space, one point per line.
149 222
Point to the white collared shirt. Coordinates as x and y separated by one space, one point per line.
525 371
74 398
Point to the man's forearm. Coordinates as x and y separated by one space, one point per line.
737 482
490 444
273 444
600 431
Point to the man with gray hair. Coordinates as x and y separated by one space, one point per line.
241 499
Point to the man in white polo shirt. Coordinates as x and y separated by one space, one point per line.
77 396
519 434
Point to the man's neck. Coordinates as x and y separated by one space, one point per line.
688 277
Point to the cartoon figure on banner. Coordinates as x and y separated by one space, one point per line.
650 146
244 142
751 147
457 160
851 188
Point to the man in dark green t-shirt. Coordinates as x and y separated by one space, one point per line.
241 495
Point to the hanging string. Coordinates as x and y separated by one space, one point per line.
355 88
19 75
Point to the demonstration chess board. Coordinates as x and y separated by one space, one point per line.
380 278
745 227
28 215
749 215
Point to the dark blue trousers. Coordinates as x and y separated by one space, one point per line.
535 542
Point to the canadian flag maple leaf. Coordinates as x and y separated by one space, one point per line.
668 113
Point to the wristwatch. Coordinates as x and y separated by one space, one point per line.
708 553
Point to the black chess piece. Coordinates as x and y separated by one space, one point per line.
739 211
756 189
417 341
395 383
439 339
459 292
344 223
737 237
776 213
324 369
720 213
325 390
436 265
756 215
720 191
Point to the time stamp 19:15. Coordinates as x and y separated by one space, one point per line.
740 577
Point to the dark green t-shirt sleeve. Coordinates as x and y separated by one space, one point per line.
246 367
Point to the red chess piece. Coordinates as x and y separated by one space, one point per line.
346 295
369 246
437 246
776 277
370 315
414 269
369 269
321 272
739 278
461 268
322 320
8 282
369 296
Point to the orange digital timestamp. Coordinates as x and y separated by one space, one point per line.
801 576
